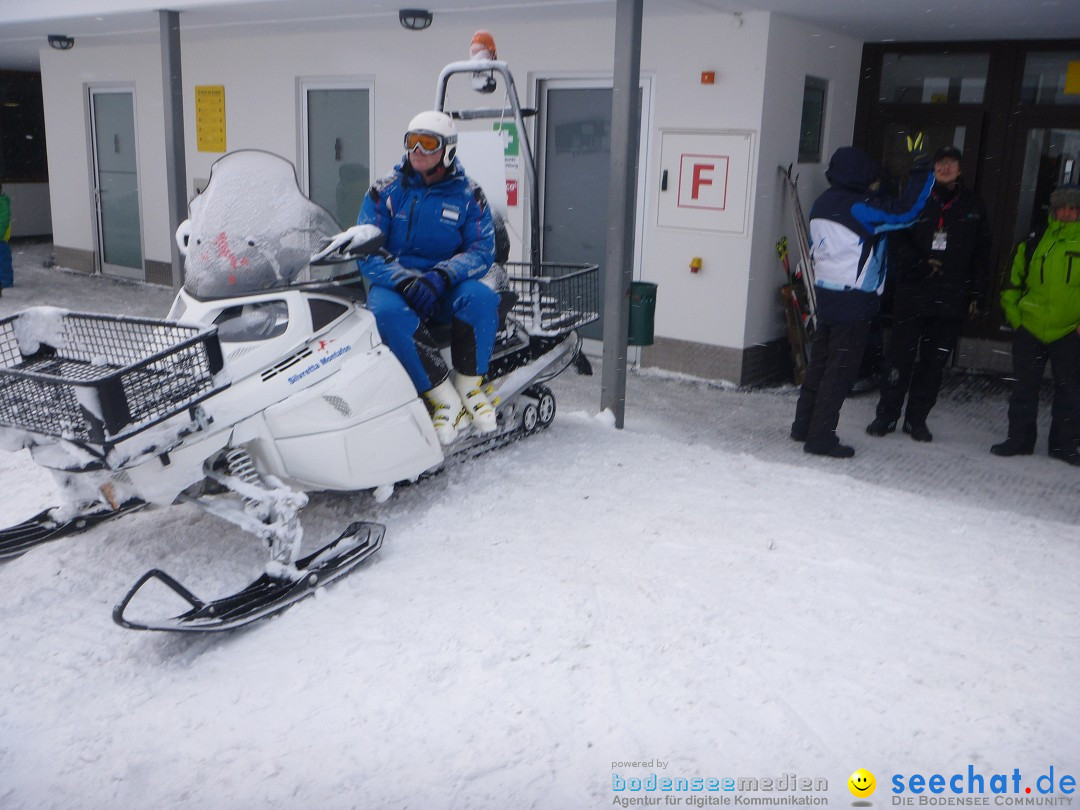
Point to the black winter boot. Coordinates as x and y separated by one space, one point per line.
829 449
1013 447
880 426
918 431
1068 456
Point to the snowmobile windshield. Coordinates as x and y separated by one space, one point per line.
252 230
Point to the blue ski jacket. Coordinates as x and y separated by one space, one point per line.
847 223
446 225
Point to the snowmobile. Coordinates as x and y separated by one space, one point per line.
267 380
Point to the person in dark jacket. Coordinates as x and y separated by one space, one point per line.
1042 304
847 223
7 276
939 265
440 232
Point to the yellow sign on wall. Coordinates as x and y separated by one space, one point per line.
210 117
1072 79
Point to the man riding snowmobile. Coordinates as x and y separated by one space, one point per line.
440 233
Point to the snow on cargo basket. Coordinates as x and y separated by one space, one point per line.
99 379
562 298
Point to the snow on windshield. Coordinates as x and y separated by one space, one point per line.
251 229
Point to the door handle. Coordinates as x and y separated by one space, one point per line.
337 149
663 180
116 143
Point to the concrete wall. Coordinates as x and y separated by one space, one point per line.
759 61
795 50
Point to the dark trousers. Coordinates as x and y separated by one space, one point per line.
835 357
7 277
1029 356
915 360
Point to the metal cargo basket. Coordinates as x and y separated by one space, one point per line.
562 298
99 379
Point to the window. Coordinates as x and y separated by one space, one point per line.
921 78
813 119
1051 78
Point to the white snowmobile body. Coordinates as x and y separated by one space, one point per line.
321 405
275 383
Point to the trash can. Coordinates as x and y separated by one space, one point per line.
642 313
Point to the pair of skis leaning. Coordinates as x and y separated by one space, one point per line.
797 293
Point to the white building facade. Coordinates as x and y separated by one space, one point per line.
722 321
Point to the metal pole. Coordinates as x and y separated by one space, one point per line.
619 259
175 158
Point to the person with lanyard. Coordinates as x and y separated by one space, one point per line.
940 266
848 223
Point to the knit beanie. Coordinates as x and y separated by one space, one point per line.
1065 197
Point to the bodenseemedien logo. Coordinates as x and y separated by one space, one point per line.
709 791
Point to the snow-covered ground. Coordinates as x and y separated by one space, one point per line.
692 590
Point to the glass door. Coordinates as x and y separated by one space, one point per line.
116 182
1051 158
337 146
575 150
939 127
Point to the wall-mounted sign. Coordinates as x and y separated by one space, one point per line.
704 180
1072 78
210 117
508 132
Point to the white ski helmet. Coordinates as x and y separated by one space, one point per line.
440 124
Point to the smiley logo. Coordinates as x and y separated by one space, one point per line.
862 783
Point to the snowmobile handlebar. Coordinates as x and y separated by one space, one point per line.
357 241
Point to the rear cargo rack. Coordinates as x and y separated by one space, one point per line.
562 298
99 379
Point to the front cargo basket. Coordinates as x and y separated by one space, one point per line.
99 379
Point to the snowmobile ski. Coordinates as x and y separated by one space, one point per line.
42 527
266 595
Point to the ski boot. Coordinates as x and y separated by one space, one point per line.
476 403
446 411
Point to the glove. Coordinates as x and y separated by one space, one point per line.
917 151
423 292
358 240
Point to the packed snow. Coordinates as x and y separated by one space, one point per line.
691 597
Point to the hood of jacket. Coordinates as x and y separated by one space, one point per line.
851 168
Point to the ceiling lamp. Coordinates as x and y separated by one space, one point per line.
415 19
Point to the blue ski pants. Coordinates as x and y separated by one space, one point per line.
472 310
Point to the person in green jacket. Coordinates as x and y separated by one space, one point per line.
7 277
1043 305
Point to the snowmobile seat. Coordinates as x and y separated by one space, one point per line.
440 331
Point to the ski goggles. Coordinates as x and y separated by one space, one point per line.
427 142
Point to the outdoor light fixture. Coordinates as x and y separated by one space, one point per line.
415 19
61 42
